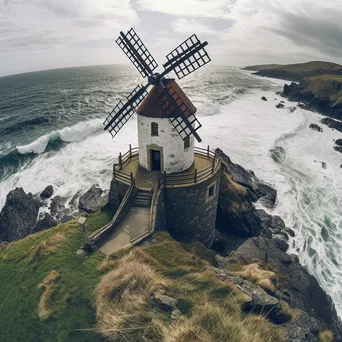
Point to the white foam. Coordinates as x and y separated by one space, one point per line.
73 133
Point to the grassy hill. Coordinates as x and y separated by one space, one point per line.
300 71
48 293
262 67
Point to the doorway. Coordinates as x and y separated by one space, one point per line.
155 160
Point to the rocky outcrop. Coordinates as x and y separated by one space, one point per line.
300 287
280 105
58 206
315 127
47 221
319 103
93 200
256 189
264 98
331 123
47 192
19 215
338 142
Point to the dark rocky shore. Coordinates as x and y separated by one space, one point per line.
243 233
324 105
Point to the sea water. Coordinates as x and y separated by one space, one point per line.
51 132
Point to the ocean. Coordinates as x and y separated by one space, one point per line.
51 132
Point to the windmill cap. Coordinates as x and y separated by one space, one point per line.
152 106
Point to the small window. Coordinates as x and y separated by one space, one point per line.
211 191
154 129
186 142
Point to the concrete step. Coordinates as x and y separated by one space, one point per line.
142 203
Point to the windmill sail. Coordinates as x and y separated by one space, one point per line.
179 114
136 51
122 112
187 57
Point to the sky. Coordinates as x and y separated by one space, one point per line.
47 34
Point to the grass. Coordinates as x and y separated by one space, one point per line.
325 86
326 336
211 308
36 304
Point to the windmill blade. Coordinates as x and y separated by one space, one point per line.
122 112
187 57
136 51
179 114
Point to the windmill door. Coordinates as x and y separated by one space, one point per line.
155 160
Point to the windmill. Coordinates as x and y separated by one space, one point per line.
183 60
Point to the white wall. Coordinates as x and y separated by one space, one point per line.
175 158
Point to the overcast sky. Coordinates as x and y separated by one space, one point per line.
46 34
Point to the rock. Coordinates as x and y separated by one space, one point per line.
331 123
302 327
264 98
46 222
292 109
167 303
280 105
324 165
338 148
57 205
220 260
67 218
73 203
302 286
301 105
316 128
176 314
92 200
274 223
47 192
282 101
338 142
82 253
256 188
19 215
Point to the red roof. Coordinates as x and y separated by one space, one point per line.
151 106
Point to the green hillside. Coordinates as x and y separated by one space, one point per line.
300 71
261 67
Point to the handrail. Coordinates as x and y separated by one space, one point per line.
175 179
96 236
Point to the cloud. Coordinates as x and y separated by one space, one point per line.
189 8
190 26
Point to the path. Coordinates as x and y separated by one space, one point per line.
134 224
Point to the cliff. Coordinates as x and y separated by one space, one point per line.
319 93
245 288
300 71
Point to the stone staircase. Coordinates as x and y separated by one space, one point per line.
143 198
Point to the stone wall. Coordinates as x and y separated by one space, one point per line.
117 192
160 220
191 211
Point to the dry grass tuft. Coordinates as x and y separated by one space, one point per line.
48 245
326 336
213 323
261 277
123 300
44 309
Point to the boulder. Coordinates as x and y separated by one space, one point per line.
92 200
331 123
338 142
165 302
274 223
338 148
47 192
280 105
19 215
44 223
316 128
58 205
301 286
264 98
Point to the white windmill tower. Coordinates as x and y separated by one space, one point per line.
167 125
